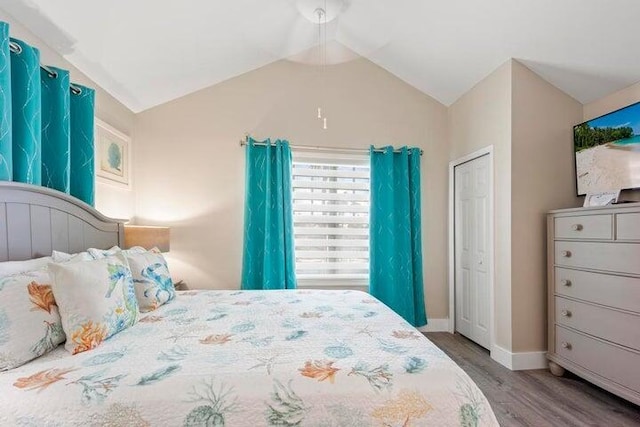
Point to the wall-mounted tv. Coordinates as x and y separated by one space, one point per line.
607 151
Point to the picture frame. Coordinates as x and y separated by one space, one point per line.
601 199
113 155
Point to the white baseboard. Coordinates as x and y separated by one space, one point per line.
519 361
435 325
515 361
502 356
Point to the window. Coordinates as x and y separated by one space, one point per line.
331 218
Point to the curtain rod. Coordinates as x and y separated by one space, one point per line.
327 148
17 49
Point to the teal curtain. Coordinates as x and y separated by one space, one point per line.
25 94
6 157
395 234
55 129
268 260
46 127
82 152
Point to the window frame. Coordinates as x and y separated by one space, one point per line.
336 158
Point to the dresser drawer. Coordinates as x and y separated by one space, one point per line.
611 325
613 291
584 227
615 257
628 226
609 361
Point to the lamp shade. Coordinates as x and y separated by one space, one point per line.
147 236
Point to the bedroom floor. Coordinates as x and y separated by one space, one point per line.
536 398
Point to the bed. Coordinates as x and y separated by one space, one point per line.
287 358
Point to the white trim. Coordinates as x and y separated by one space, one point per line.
452 318
332 283
519 361
435 325
329 156
332 262
502 356
529 360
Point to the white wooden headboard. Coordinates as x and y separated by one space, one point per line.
35 220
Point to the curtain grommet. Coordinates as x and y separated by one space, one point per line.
15 48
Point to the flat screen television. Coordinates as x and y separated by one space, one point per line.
607 151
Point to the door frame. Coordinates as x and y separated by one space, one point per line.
452 254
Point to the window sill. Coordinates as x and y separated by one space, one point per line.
334 284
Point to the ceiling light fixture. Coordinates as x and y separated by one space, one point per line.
321 14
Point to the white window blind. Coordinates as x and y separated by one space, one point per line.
331 217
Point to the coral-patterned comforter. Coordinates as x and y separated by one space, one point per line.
253 358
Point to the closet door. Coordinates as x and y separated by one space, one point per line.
472 256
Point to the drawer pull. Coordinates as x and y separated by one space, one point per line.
576 227
565 282
566 254
566 345
566 313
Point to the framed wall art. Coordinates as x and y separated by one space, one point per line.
113 155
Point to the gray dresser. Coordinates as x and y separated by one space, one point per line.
594 296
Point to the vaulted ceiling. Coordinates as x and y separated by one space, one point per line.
147 52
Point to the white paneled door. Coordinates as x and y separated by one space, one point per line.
472 254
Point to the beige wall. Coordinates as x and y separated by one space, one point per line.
612 102
615 101
190 170
480 118
542 119
110 200
529 123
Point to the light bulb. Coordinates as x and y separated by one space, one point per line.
324 124
319 112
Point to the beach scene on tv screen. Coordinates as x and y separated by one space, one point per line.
608 151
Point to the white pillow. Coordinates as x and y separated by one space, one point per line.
101 253
152 279
12 267
65 257
96 300
30 325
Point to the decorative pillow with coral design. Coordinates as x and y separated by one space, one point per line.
29 321
96 300
153 283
